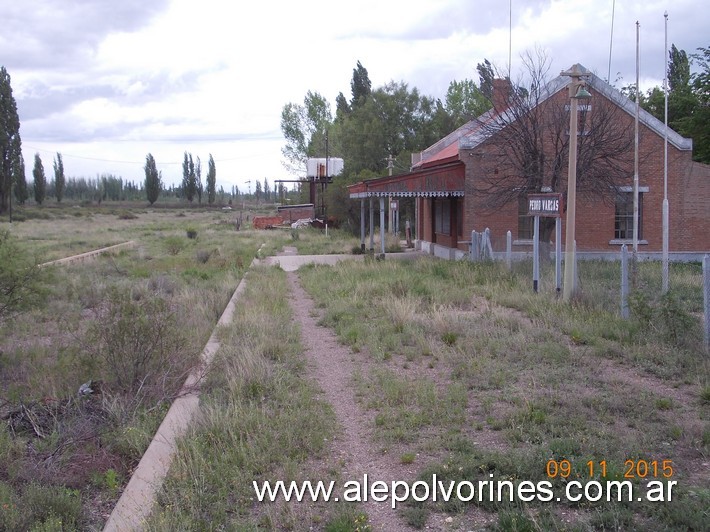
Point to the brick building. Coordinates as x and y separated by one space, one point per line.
469 179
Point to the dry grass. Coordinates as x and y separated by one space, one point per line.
540 380
164 308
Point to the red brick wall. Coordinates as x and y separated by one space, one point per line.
261 222
297 212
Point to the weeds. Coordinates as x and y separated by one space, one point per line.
534 377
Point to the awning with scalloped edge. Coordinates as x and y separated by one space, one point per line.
442 181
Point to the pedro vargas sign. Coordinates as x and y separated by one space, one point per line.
545 205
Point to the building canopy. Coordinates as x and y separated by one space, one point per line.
446 180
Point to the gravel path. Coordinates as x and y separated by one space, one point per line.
332 366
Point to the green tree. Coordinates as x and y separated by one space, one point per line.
257 190
486 75
189 179
465 101
211 180
697 125
304 127
40 181
392 121
153 180
10 143
22 193
59 179
688 108
198 180
360 86
20 277
342 107
267 190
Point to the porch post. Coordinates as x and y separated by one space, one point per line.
362 224
383 232
372 226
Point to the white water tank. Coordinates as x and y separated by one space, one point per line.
316 167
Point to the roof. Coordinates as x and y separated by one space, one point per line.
440 181
472 134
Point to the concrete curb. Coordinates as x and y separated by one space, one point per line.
88 254
138 498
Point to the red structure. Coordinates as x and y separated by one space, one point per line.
450 201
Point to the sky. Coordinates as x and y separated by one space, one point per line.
105 82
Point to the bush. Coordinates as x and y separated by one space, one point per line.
667 318
20 277
174 245
127 215
139 346
202 256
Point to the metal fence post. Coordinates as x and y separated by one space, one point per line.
509 249
624 282
475 246
486 247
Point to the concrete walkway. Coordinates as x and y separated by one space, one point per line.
290 261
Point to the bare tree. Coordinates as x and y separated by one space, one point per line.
527 134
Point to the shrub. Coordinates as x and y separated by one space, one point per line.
202 256
174 245
667 318
138 345
20 277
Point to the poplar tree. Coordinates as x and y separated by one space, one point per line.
59 180
10 143
22 193
189 180
153 181
40 181
211 180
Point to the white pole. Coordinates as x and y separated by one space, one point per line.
509 249
558 254
383 231
636 154
666 206
536 253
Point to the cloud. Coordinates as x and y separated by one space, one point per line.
114 80
61 35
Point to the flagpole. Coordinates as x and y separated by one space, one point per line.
665 162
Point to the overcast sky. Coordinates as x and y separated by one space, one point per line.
104 82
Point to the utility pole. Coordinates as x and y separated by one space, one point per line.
577 91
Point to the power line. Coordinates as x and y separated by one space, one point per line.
141 163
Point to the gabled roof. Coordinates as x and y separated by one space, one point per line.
473 133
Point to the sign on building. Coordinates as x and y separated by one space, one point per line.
545 205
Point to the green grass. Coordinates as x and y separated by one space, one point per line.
261 419
526 371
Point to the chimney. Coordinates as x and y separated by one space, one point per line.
502 89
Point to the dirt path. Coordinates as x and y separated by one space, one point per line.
332 366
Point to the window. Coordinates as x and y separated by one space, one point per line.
624 216
525 222
442 216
